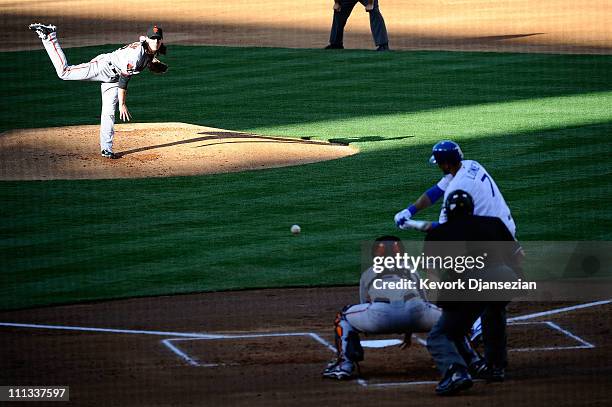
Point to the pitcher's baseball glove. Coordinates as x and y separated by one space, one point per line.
157 66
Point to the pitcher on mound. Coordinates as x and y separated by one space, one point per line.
114 70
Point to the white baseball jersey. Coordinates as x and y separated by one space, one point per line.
474 179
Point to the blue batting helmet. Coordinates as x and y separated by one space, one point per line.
446 151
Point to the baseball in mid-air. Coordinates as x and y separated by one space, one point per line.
296 229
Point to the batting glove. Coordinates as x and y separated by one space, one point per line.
401 217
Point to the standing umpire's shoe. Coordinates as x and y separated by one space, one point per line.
384 47
109 154
340 369
496 375
42 30
455 380
479 369
335 46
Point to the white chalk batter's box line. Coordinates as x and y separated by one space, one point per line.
176 336
371 344
383 343
194 362
583 344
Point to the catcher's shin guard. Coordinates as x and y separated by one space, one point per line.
347 340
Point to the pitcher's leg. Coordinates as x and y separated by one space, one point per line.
64 71
56 54
107 118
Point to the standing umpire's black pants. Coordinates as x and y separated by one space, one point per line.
445 342
377 23
494 334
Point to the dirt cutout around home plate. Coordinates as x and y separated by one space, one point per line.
151 150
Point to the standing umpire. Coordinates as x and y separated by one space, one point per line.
342 11
471 235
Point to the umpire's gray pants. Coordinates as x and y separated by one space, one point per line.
377 23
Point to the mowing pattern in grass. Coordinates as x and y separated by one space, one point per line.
541 124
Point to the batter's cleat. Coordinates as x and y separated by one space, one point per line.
340 369
334 46
455 380
109 154
43 30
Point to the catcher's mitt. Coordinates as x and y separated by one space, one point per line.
157 66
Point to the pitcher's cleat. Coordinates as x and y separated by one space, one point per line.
109 154
43 30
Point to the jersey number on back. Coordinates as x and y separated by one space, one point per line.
486 176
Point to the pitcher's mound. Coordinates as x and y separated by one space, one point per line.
151 150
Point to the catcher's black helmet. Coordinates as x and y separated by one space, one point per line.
387 246
458 203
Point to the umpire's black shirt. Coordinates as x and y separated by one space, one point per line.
474 236
482 229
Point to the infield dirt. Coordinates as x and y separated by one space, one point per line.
151 150
502 26
137 369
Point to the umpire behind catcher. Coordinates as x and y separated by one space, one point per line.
470 234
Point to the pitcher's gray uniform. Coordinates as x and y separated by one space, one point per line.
114 70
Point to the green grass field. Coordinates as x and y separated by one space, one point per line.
541 124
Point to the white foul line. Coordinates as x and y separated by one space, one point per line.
558 310
214 336
116 331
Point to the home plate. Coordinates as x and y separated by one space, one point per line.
380 343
